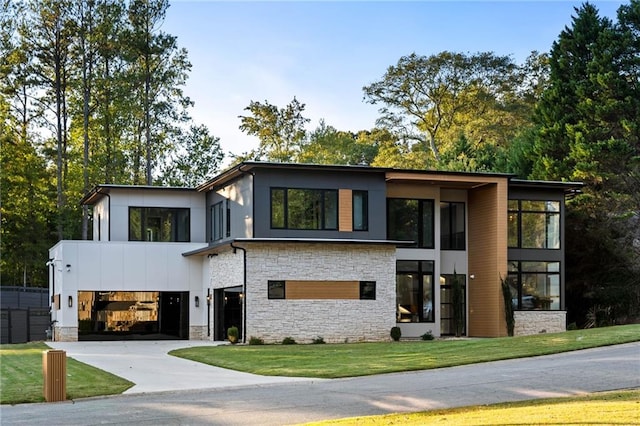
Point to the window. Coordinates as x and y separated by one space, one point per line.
158 224
414 291
534 224
276 289
367 290
216 222
228 202
535 285
304 208
410 220
452 229
360 210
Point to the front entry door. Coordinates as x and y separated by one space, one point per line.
228 303
449 318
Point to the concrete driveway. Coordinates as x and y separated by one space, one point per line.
152 369
572 373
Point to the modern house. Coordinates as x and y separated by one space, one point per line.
339 252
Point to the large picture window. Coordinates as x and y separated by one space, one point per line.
304 208
452 229
159 224
414 291
410 220
534 224
535 285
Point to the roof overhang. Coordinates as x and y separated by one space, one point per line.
100 191
451 180
244 242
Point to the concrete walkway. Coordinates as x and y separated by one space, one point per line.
152 369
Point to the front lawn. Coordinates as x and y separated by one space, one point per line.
361 359
612 408
21 376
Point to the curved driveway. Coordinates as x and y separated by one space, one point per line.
288 402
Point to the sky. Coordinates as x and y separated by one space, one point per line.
324 52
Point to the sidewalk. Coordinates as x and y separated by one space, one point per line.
148 365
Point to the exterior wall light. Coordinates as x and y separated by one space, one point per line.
197 302
472 276
68 267
70 301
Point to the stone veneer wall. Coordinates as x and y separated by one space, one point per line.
65 334
198 332
304 320
535 322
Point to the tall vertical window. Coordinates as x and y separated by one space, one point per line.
452 229
304 208
159 224
360 210
535 285
228 222
534 224
410 220
217 221
414 291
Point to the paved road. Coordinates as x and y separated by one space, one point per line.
574 373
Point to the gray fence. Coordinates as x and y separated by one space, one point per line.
24 316
24 325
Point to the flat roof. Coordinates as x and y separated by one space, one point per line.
216 248
101 190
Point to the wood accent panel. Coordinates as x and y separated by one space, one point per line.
322 289
487 259
345 212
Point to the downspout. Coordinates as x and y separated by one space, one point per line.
244 290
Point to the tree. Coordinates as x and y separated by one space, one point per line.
280 130
327 145
196 158
159 71
588 131
422 97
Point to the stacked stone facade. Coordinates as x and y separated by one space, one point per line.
535 322
334 320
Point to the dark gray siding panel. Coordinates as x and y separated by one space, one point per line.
374 183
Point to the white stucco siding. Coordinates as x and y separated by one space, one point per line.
122 199
333 320
122 266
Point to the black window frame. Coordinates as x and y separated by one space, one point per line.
419 242
365 210
217 221
367 290
518 213
272 286
321 195
422 268
452 243
515 280
147 212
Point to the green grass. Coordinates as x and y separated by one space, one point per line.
361 359
21 376
614 408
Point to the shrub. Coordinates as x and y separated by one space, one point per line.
232 334
318 340
396 333
288 341
255 341
427 336
572 326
